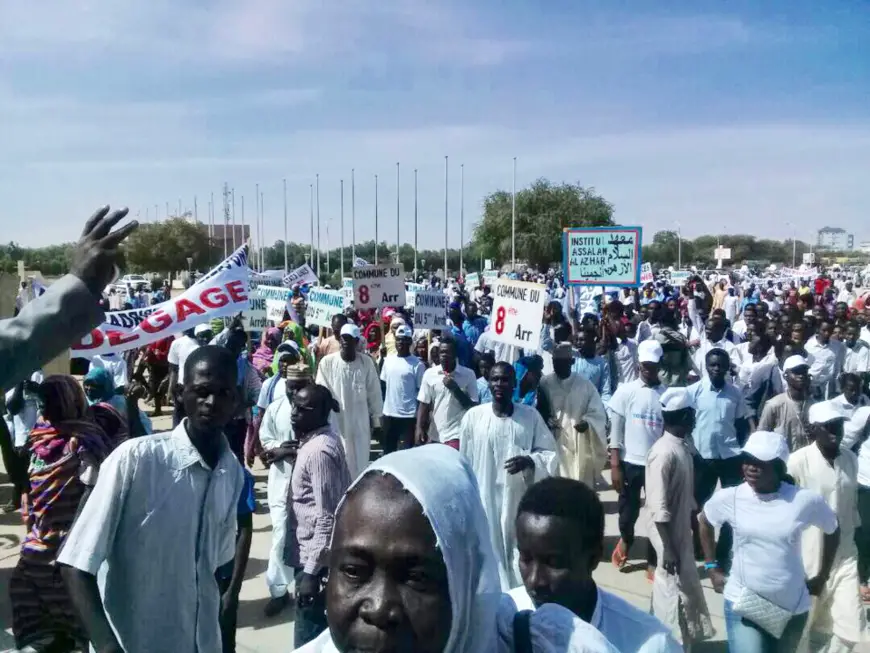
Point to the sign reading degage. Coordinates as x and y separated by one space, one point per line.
430 310
322 305
377 286
602 256
517 311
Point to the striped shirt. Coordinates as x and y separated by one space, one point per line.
320 478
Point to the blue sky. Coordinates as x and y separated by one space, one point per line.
740 116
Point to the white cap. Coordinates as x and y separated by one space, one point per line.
403 331
676 399
201 328
766 446
350 330
794 361
824 412
649 351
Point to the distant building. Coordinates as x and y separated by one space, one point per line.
864 247
834 238
222 236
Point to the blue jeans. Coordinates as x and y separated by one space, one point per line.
746 637
310 620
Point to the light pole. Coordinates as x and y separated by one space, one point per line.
189 271
793 245
679 248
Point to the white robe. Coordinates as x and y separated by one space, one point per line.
581 455
488 441
357 389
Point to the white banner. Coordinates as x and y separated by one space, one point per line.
517 313
472 280
430 310
301 275
267 277
322 306
490 277
377 286
360 262
222 291
254 317
275 311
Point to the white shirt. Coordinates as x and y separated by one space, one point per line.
626 627
857 358
826 362
22 424
640 408
626 361
275 430
700 356
115 365
503 352
767 543
447 412
271 392
179 350
163 521
864 463
847 296
730 307
403 378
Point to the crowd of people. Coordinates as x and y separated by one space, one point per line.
725 407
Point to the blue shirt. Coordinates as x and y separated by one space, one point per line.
472 328
716 411
597 371
463 347
484 394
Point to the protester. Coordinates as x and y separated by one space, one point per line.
677 597
248 384
182 486
156 359
502 440
179 351
786 413
319 479
825 357
395 521
20 416
578 419
402 374
837 619
560 539
592 367
66 449
485 363
353 380
675 362
767 594
636 423
279 443
856 354
330 344
99 387
447 391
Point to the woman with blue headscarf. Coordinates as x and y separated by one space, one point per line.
100 389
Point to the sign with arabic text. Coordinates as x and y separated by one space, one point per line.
602 256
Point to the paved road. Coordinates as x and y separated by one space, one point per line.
260 635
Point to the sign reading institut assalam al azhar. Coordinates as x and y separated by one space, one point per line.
602 256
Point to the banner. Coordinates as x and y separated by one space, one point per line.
646 273
301 275
517 313
360 262
490 277
472 280
267 277
430 310
254 317
602 256
220 292
680 277
322 306
378 286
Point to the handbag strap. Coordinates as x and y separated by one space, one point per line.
522 632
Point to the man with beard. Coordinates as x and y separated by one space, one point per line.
786 413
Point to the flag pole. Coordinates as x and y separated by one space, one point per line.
461 213
352 216
262 233
342 228
415 225
317 203
398 205
286 267
376 219
514 219
311 215
253 253
446 180
234 220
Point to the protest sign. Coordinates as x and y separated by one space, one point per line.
275 311
472 280
430 310
599 256
680 277
517 312
221 292
347 291
254 316
416 287
377 286
646 273
301 275
322 305
267 277
490 277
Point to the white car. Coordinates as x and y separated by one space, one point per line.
130 280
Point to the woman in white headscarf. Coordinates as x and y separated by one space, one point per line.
412 568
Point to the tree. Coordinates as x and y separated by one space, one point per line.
542 211
166 246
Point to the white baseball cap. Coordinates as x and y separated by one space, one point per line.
649 351
403 331
201 328
766 446
350 330
794 361
824 412
676 399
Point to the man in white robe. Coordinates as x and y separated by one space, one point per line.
837 619
354 382
578 422
509 447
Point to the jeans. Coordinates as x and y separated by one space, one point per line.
310 620
398 433
728 471
862 534
634 477
746 637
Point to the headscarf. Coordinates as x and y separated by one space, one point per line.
217 325
113 423
104 382
294 331
263 356
523 366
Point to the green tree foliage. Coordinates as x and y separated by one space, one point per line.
166 246
543 210
52 261
663 252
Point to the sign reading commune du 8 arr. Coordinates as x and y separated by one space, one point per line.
517 312
378 286
602 256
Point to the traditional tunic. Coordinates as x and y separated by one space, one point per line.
677 600
837 610
488 441
788 417
357 389
581 456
